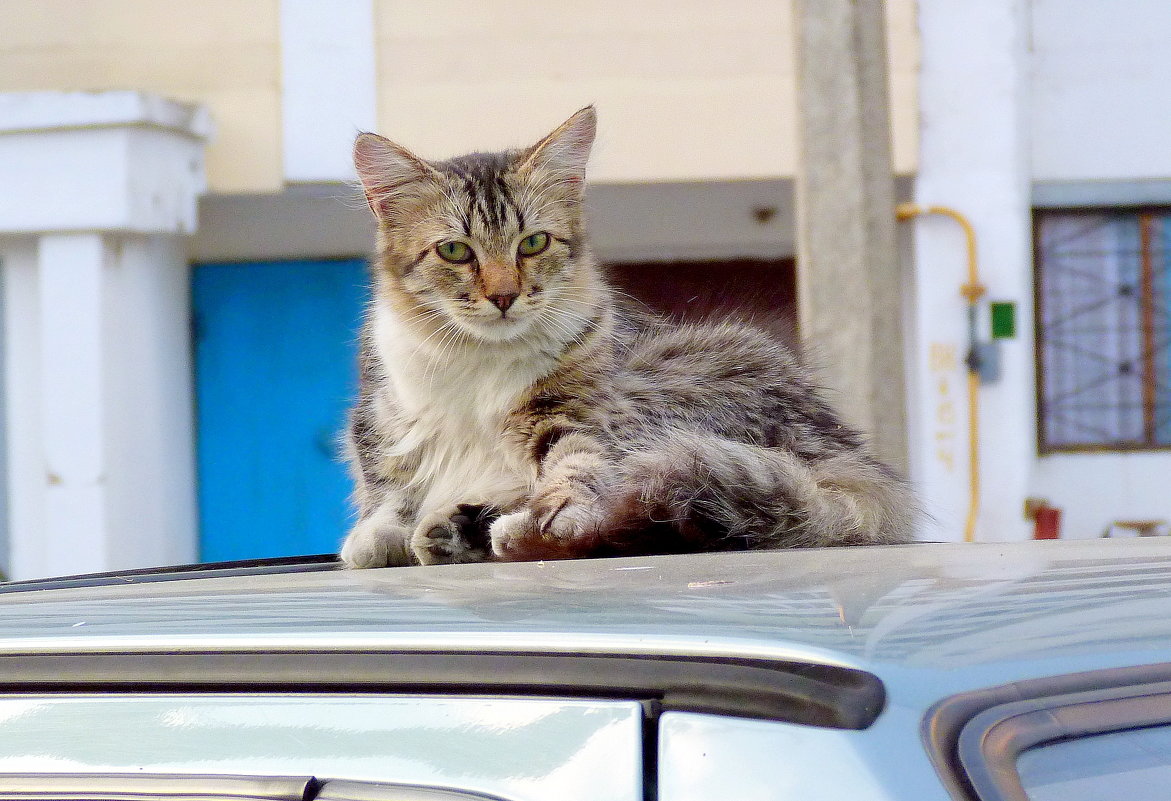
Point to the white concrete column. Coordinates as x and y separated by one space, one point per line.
99 193
848 271
327 86
974 144
70 272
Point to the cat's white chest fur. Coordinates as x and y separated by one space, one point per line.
452 403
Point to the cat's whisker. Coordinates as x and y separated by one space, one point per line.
562 317
564 324
436 359
568 319
444 349
422 319
423 316
447 326
561 302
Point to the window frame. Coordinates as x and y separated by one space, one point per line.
974 739
1044 447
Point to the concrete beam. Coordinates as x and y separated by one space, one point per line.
848 272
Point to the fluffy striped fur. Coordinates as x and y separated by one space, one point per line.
512 407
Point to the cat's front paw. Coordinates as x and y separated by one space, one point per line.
375 543
552 526
454 535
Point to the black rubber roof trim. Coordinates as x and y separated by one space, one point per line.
993 740
951 725
821 695
248 567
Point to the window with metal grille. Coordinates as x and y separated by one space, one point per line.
1103 338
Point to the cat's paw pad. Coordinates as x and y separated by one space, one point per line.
374 544
455 535
561 530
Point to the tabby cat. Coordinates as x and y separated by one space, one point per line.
513 407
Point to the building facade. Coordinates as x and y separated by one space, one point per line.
182 250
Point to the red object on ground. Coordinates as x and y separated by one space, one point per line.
1047 524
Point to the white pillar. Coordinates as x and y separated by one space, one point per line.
70 270
328 92
974 144
99 194
848 272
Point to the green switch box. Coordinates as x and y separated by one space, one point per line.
1003 319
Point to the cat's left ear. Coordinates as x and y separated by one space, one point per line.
565 151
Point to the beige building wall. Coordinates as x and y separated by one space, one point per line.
687 90
224 54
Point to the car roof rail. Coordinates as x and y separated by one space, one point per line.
245 567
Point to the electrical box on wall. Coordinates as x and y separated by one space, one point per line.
988 362
1003 319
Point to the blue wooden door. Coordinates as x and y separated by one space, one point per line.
276 369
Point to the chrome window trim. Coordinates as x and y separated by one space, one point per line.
135 787
207 787
341 790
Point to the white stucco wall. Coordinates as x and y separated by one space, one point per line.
1027 102
1100 106
973 157
1101 110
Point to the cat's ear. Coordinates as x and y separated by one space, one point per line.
565 151
389 173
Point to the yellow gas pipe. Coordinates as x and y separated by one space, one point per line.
971 291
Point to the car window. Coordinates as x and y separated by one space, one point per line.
521 749
1122 765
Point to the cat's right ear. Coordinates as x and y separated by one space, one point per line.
388 172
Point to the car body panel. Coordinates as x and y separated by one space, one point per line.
923 607
519 748
931 621
706 757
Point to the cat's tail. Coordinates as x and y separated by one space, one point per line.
699 492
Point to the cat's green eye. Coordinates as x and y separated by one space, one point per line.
533 244
455 252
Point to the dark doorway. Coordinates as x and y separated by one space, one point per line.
763 290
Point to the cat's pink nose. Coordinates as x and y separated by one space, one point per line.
502 302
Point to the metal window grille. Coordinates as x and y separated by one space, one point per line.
1103 336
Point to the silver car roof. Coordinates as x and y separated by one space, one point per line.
974 614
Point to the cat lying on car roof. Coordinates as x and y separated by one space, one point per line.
513 406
